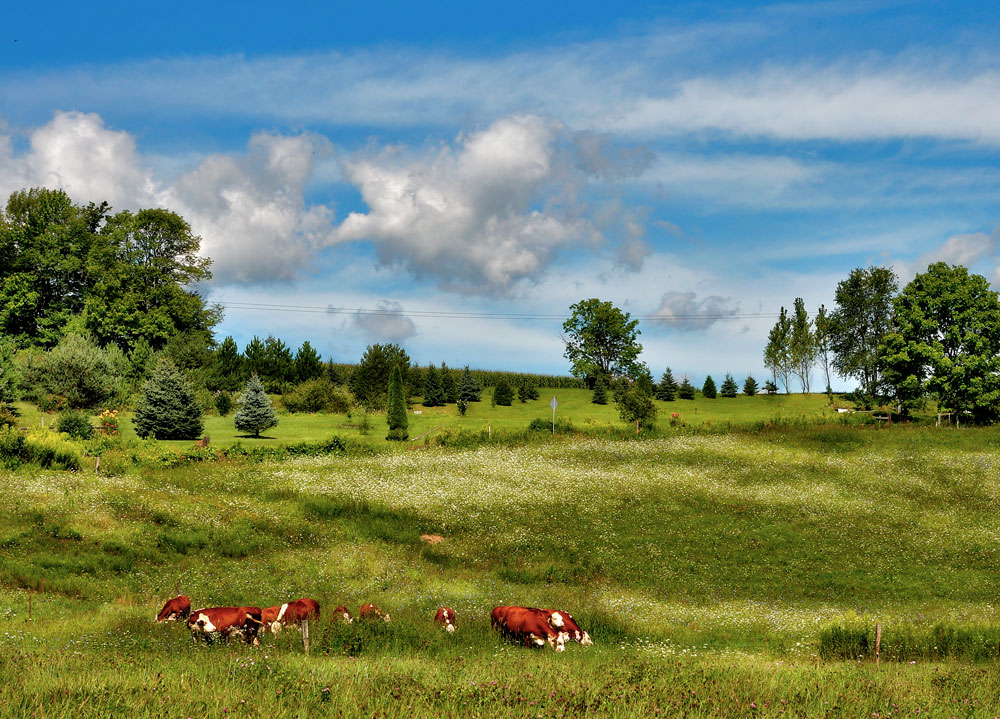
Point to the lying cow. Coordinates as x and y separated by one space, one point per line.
370 611
174 609
290 613
564 621
446 618
224 621
533 627
343 613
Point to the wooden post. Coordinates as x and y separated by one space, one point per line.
878 641
305 634
97 466
30 618
489 429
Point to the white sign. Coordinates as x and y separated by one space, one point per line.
553 404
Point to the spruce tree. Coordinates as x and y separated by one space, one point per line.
255 412
167 408
502 393
396 414
686 390
666 390
750 386
449 385
708 389
729 387
433 390
600 392
468 387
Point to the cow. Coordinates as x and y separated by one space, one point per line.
533 627
446 618
370 611
225 621
290 613
564 620
344 613
174 609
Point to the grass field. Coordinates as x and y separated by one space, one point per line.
705 567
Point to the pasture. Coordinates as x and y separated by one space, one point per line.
704 566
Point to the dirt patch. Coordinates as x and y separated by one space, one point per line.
431 538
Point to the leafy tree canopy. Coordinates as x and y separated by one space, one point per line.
601 341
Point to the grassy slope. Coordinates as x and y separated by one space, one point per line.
704 567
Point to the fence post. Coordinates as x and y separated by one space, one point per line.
878 641
305 634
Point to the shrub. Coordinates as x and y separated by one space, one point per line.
463 406
78 370
255 413
168 408
75 424
12 447
396 414
316 395
223 402
8 415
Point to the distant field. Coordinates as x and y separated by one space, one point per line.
704 566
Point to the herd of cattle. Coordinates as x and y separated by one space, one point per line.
533 627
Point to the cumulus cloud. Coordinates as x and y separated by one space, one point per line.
685 312
387 323
479 217
966 249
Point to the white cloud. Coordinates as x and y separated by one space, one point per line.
386 324
683 311
474 217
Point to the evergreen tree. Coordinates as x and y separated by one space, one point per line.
750 386
770 387
527 390
228 367
449 385
708 389
253 354
168 408
307 363
468 388
255 413
433 390
370 379
332 372
140 360
278 368
686 390
666 390
600 392
396 415
502 393
729 387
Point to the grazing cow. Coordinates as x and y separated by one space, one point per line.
290 613
564 620
370 611
533 627
225 621
446 618
174 609
344 613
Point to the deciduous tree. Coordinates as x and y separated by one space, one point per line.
601 340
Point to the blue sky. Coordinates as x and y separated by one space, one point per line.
453 178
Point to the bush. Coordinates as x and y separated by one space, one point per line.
12 447
75 424
223 402
563 426
396 415
314 395
8 415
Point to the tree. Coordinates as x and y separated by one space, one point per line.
708 389
277 369
468 388
448 384
750 386
10 378
308 364
396 415
370 380
433 390
255 413
600 392
666 390
822 336
228 368
802 345
635 404
503 394
777 353
860 323
527 390
76 369
946 340
729 387
167 408
601 341
686 390
770 387
253 355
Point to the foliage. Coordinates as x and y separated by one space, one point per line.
635 404
777 352
255 413
316 395
503 394
433 389
223 402
308 364
463 407
821 334
76 369
108 423
686 389
449 386
40 448
277 366
396 414
770 387
750 386
228 368
666 390
10 376
802 345
370 381
601 341
469 388
600 392
946 340
75 424
859 325
729 387
167 408
708 389
526 390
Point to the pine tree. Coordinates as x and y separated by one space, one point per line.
433 391
468 387
167 408
502 393
686 390
750 386
308 364
448 385
396 414
729 387
708 389
666 390
255 412
770 387
228 367
600 392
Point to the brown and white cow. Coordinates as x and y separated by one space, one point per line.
446 618
224 621
564 621
174 609
533 627
343 613
290 613
370 611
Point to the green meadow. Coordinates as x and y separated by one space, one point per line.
716 570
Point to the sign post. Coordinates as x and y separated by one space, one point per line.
553 404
